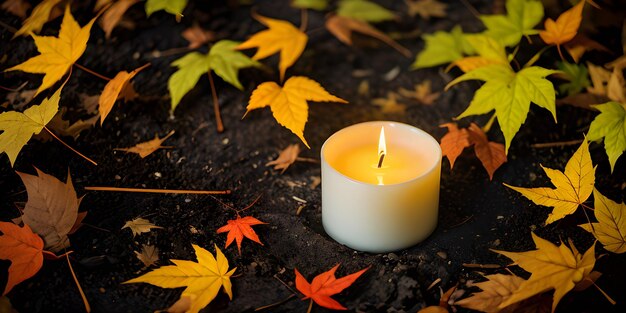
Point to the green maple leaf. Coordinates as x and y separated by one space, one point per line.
221 59
509 94
521 17
17 128
610 125
578 76
175 7
442 47
364 10
319 5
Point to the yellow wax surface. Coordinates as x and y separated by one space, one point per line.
400 164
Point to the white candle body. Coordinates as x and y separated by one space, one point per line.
361 213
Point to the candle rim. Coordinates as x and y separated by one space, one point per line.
411 128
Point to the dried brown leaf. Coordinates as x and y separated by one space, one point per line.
581 44
495 290
390 104
286 157
16 7
454 142
149 255
140 225
342 28
197 36
113 89
427 8
146 148
423 93
491 154
113 15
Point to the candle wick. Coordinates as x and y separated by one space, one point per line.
380 161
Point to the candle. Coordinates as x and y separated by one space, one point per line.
380 186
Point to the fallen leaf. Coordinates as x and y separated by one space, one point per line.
286 157
17 128
551 267
342 27
289 103
583 100
239 228
20 98
491 154
615 86
174 7
281 37
610 229
101 4
25 251
364 10
202 279
139 225
16 7
41 14
578 77
146 148
581 44
113 15
454 142
389 105
433 309
573 187
442 47
599 79
521 18
325 285
610 126
197 36
489 51
5 302
564 28
423 93
64 128
112 91
426 8
89 103
495 290
58 54
149 255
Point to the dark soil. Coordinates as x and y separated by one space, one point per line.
476 214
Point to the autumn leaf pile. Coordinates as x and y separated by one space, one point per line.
522 62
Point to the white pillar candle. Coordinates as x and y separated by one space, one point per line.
380 209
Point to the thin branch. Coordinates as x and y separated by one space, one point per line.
604 293
148 190
251 204
68 146
275 303
471 8
224 204
309 160
286 285
304 20
92 72
216 105
96 227
556 144
80 289
472 265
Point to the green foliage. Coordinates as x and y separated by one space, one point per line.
442 47
364 10
221 59
175 7
521 17
310 4
610 125
487 47
578 76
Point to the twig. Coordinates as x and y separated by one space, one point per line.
472 265
216 105
165 53
275 303
92 72
604 293
148 190
251 203
285 284
68 146
310 306
471 8
80 289
310 160
304 20
556 144
462 222
224 204
96 227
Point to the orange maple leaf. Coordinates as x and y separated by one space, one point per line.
454 142
25 251
239 228
325 285
564 28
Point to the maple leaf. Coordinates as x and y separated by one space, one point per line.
578 77
18 127
202 279
289 103
149 255
16 7
113 15
140 225
113 89
364 10
573 187
197 36
454 142
442 47
146 148
426 8
610 229
325 285
286 157
63 127
564 28
222 59
551 267
174 7
389 105
281 37
581 44
319 5
57 54
423 93
509 94
495 290
342 27
239 228
52 208
25 251
610 126
40 15
521 18
489 52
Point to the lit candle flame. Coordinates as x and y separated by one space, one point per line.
382 147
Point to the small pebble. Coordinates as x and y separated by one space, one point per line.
442 254
225 141
118 177
157 174
187 200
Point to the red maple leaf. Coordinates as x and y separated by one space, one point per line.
239 228
325 285
25 251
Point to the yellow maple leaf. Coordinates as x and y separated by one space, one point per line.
57 54
564 28
113 90
281 37
146 148
203 279
495 290
140 225
573 187
551 267
39 16
289 103
611 227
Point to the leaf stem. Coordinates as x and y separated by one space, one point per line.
604 294
275 303
216 105
92 72
558 48
556 144
68 146
251 204
310 306
80 289
535 57
487 126
304 20
148 190
309 160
